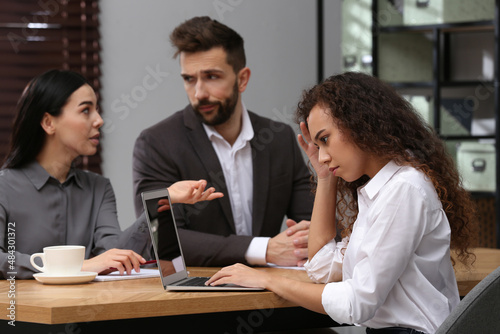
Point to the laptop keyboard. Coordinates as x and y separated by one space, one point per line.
195 281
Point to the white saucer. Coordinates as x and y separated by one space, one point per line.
81 277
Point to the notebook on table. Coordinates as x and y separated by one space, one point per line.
168 250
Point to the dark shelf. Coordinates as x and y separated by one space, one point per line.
445 84
458 26
466 137
412 84
482 194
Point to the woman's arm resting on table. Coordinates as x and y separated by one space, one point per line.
307 295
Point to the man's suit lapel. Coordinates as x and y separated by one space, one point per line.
261 173
203 147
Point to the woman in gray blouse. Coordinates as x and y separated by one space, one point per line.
45 201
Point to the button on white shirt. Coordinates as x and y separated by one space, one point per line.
237 166
396 269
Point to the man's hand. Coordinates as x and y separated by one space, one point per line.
188 192
289 248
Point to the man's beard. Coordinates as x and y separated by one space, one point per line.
224 111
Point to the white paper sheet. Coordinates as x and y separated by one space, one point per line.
115 276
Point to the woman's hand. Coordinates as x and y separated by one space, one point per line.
189 192
305 294
240 274
311 150
123 260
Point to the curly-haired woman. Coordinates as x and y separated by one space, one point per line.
384 178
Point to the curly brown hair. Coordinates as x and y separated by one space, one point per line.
381 122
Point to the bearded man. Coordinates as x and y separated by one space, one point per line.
253 160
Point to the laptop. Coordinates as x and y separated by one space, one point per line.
168 251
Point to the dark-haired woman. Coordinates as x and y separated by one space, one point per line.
384 175
45 201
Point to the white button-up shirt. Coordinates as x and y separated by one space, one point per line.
396 268
237 166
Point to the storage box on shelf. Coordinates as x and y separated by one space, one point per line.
356 36
390 12
477 166
422 12
452 123
405 58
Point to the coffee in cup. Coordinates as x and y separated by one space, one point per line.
60 260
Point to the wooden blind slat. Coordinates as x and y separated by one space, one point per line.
41 35
53 59
30 8
36 36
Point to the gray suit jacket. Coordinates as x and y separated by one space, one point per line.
178 148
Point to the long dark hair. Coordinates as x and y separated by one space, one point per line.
46 93
379 121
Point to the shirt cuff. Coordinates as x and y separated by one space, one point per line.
326 264
335 300
256 252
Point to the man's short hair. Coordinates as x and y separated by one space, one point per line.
201 33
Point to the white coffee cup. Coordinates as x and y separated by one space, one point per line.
60 260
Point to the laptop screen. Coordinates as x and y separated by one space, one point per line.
164 236
167 246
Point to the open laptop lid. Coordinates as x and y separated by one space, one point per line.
167 248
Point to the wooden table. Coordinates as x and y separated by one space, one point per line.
487 260
115 301
94 305
138 298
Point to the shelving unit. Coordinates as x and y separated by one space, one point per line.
440 36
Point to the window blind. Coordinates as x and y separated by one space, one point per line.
38 35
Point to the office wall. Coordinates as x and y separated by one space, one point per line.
332 37
141 81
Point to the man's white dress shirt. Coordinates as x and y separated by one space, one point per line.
237 166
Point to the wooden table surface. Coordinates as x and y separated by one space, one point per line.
487 260
142 298
126 299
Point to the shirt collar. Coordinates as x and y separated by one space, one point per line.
246 133
39 176
380 179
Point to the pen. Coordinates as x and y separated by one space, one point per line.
149 262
